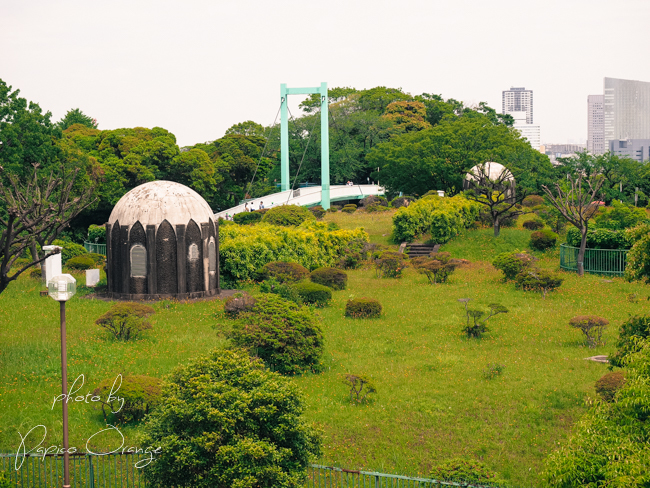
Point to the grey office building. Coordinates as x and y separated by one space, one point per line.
626 110
637 149
595 125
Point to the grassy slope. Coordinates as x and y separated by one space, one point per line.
433 402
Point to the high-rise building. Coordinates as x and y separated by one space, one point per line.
626 108
637 149
530 132
518 100
595 124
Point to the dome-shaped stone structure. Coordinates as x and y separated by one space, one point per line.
495 172
162 241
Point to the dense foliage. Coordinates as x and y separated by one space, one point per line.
285 336
314 294
436 267
363 308
244 250
283 272
141 394
287 215
331 277
126 320
638 258
599 238
535 279
541 240
632 334
513 263
227 421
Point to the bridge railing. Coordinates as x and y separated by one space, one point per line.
597 261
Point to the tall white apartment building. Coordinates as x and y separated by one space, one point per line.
595 124
626 109
518 99
530 132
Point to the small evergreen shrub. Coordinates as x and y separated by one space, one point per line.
390 264
609 384
535 279
126 320
334 208
245 218
591 326
69 249
543 239
331 277
238 303
360 387
141 394
287 215
468 470
349 208
97 234
533 201
318 211
363 308
313 293
631 336
284 272
81 263
283 335
287 291
533 225
513 263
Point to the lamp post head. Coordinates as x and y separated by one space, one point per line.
62 287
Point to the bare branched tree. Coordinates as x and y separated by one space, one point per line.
576 204
35 212
496 192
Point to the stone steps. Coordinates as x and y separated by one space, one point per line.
417 250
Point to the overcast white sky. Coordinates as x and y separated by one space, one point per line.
197 67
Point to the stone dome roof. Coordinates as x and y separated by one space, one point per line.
156 201
492 170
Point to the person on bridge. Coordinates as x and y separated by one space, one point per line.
261 205
246 207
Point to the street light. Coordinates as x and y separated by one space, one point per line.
61 288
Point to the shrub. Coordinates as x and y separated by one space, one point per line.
638 258
599 239
390 264
287 215
36 273
284 272
373 200
99 259
552 217
318 211
360 387
591 326
288 292
238 303
141 394
533 225
477 319
80 263
513 263
334 208
398 202
332 277
228 422
422 216
609 384
363 308
535 279
507 219
493 370
376 208
620 216
631 335
437 267
69 249
246 249
285 336
245 218
314 294
533 201
5 480
543 239
126 320
468 470
349 208
97 234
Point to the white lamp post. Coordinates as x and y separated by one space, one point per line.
61 288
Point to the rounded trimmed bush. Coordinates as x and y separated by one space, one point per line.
404 201
543 239
376 208
246 218
609 384
331 277
141 394
318 211
349 208
99 259
533 201
238 303
533 225
313 293
81 263
284 272
285 336
363 308
513 263
334 208
287 215
373 200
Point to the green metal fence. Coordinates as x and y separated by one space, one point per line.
120 471
597 261
94 247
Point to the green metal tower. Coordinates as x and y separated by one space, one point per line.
324 135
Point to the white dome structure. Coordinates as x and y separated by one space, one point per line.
162 241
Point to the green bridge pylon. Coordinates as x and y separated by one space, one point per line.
324 138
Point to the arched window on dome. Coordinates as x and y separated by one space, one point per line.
212 256
138 261
193 253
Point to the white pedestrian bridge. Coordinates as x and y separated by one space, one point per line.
303 197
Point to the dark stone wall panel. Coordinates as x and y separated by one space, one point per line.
115 259
137 235
194 259
166 260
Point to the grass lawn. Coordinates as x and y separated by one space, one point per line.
433 402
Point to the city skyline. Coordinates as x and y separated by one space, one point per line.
200 67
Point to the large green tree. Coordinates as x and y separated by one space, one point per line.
76 116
